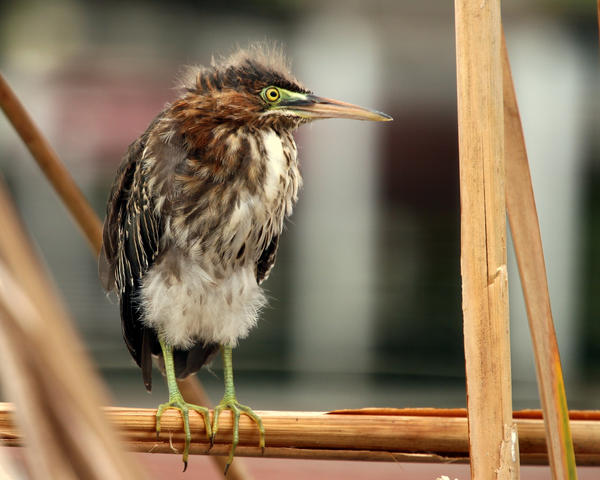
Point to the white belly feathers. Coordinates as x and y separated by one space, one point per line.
194 306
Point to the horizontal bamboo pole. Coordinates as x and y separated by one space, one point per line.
407 435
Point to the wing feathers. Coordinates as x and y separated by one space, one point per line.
131 239
267 260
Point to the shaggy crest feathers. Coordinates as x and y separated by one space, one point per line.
253 68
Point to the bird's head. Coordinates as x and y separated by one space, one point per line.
255 87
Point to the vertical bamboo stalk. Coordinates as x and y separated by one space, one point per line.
492 436
527 240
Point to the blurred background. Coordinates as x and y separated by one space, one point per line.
365 300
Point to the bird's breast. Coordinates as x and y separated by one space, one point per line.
205 286
234 220
263 205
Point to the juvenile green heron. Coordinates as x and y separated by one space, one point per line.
195 215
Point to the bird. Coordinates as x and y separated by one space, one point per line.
195 215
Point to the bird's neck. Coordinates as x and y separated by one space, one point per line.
242 160
230 152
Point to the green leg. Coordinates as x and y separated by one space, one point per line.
229 402
176 401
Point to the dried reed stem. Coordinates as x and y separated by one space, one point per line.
53 168
7 468
45 371
419 435
483 240
527 240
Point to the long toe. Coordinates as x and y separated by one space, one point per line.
254 417
236 409
184 408
206 416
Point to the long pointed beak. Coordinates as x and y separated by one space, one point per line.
312 106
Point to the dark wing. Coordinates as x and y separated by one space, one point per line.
267 260
131 239
131 243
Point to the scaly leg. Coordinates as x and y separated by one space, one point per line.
176 401
229 402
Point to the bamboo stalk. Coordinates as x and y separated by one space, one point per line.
407 435
89 223
522 214
483 240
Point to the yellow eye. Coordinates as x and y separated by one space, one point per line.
272 94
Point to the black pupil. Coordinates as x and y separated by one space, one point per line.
272 94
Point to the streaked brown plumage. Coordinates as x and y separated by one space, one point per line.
197 208
179 184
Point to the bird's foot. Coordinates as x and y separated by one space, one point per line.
177 402
231 403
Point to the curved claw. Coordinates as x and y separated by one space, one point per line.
236 410
184 408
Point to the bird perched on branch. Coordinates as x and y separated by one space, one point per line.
195 215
